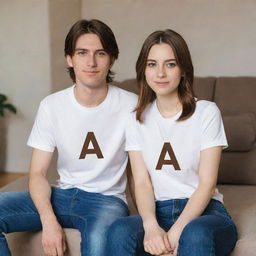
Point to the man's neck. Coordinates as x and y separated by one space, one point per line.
90 97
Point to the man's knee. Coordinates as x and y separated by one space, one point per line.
3 211
120 228
3 228
121 224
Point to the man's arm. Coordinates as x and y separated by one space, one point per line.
53 238
131 185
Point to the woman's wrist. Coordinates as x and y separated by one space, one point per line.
149 223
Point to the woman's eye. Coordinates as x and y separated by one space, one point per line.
151 64
171 64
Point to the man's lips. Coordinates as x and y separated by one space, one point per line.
91 72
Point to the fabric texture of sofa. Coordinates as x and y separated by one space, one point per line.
235 96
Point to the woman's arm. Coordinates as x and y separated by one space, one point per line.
208 172
155 240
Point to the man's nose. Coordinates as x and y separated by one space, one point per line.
92 61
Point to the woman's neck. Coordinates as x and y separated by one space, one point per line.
168 106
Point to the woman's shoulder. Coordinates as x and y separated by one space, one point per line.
206 109
205 106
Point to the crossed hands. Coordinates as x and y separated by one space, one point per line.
158 242
53 239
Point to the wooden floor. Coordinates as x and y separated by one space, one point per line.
6 177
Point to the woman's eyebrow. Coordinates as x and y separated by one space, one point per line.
165 60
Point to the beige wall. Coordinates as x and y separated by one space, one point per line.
220 34
32 65
24 72
62 14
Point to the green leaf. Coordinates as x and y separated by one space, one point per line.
3 98
11 108
1 112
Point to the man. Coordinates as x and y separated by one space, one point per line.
86 123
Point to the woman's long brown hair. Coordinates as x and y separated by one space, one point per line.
183 59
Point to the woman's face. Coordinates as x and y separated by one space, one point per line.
162 72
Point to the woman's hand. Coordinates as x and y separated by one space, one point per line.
156 241
173 237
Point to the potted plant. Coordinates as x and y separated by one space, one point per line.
5 105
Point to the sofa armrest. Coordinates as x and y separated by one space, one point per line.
17 185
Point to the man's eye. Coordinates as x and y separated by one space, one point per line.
151 64
81 53
101 53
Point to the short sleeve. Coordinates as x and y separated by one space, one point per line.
212 129
42 136
132 138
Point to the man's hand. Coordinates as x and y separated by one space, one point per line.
53 239
156 241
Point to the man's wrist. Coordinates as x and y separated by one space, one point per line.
47 218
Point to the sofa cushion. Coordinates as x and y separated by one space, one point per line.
238 168
240 202
235 96
241 131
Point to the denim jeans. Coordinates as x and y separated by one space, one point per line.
211 234
90 213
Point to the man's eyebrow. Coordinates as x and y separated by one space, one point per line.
80 49
83 49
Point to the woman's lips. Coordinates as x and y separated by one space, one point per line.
161 83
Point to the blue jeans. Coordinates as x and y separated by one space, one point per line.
90 213
211 234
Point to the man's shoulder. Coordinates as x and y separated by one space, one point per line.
126 96
57 96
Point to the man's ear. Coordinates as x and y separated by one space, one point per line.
69 61
112 61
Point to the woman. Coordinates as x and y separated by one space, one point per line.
174 144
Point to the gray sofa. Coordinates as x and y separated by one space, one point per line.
235 96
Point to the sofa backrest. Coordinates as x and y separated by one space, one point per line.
235 96
204 88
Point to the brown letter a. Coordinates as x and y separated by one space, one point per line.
95 150
167 148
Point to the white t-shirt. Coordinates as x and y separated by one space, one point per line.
90 141
171 149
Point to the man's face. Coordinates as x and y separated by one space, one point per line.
90 61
